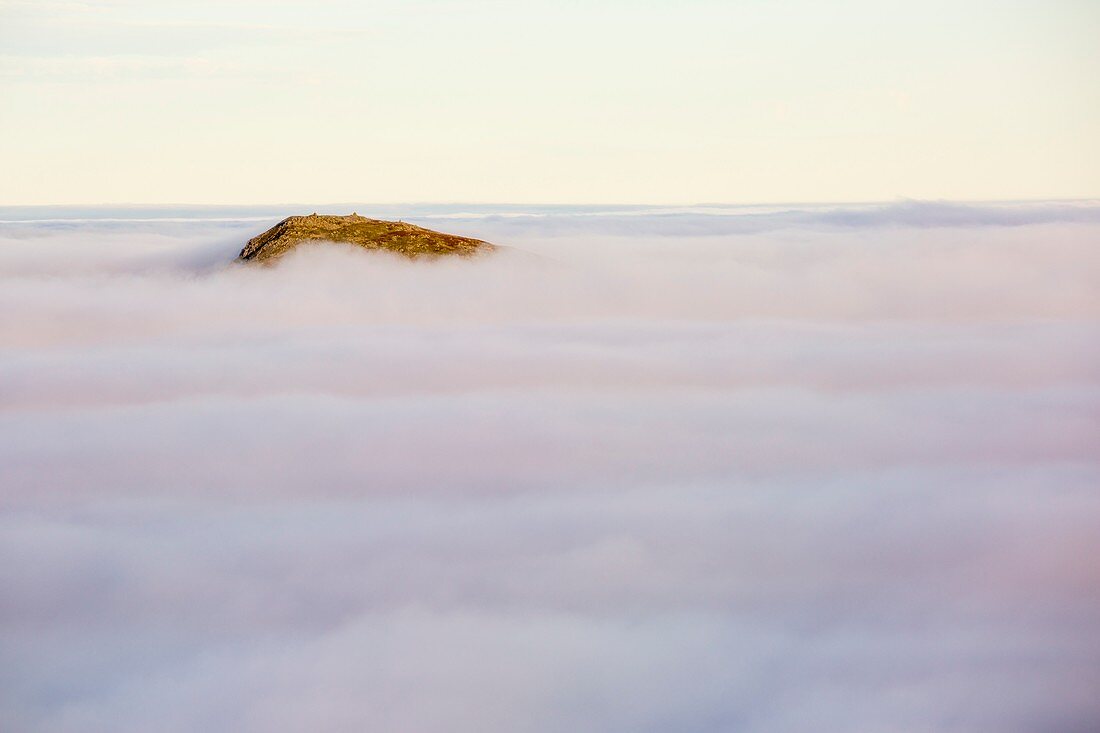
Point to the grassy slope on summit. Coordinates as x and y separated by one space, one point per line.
401 238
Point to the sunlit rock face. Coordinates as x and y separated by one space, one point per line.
398 237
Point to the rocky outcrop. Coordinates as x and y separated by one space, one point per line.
399 237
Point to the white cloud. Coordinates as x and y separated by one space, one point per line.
822 469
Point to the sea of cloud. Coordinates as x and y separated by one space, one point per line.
705 469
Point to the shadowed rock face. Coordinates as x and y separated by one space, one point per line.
394 236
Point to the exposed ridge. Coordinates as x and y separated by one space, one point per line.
399 237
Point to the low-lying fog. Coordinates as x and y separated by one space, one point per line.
826 469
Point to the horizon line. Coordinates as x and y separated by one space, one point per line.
698 204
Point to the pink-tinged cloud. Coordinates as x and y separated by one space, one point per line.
819 469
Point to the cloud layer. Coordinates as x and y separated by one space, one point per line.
766 471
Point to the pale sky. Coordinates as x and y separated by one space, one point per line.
604 101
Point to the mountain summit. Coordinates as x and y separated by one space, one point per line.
394 236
